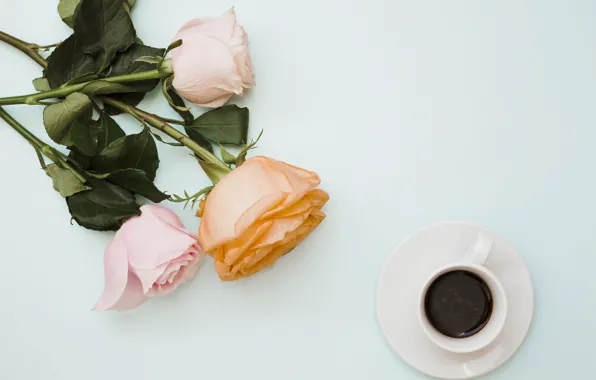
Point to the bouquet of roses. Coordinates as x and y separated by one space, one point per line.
257 210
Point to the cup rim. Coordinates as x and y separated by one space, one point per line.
482 340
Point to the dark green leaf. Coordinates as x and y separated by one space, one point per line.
224 125
242 155
179 106
136 181
58 118
226 156
103 28
130 152
102 132
104 208
66 9
197 137
80 136
127 63
68 61
81 159
65 182
41 84
108 132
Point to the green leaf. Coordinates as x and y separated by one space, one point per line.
224 125
192 198
103 132
79 157
179 106
68 61
102 87
66 10
226 156
41 84
103 28
149 59
58 118
136 181
81 137
242 155
130 152
166 89
108 132
65 182
197 137
161 140
127 63
103 208
214 172
172 46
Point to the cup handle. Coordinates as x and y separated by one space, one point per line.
478 253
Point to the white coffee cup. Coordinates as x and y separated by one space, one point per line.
474 263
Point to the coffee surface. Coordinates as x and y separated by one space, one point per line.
458 304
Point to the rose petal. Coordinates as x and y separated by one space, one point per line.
151 242
302 181
165 214
239 246
262 189
217 74
265 257
218 27
122 289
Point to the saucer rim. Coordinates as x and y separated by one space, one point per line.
529 312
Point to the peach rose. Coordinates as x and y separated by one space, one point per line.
213 62
258 213
151 254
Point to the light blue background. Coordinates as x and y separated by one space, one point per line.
412 112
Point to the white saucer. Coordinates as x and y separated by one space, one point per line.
403 278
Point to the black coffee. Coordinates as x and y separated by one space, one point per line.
458 304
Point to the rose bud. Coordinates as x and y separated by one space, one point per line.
150 254
258 213
213 61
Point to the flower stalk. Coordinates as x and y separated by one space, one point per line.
157 122
39 146
26 47
161 125
32 99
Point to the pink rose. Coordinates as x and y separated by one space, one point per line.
151 254
213 61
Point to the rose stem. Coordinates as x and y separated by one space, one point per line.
25 47
165 71
39 145
151 119
160 124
